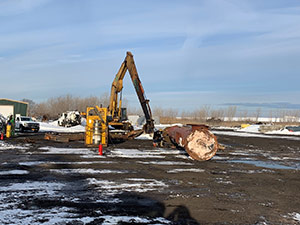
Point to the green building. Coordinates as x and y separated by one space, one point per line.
13 107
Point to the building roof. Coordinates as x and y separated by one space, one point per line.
5 99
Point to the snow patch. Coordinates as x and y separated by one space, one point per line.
220 180
241 153
134 153
36 185
185 170
14 172
296 216
93 156
6 146
145 137
251 130
53 127
244 134
53 150
133 220
86 171
166 163
35 163
252 171
284 132
283 158
57 215
163 126
216 157
167 151
134 185
32 163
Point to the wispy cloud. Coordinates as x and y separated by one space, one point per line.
14 7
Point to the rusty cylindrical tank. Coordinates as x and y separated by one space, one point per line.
197 140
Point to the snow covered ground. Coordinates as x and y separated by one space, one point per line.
253 131
53 127
250 131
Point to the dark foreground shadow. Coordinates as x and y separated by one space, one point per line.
88 203
131 205
181 215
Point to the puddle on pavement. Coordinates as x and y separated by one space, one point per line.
269 165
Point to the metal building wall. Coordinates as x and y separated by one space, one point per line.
19 107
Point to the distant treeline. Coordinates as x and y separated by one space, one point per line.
230 113
53 107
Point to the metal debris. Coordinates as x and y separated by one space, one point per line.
59 137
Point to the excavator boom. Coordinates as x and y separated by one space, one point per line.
114 109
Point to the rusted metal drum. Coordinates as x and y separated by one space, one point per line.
197 140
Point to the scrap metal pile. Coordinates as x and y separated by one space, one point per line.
64 137
69 119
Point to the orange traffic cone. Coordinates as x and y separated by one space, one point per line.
100 149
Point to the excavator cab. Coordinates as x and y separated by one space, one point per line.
124 116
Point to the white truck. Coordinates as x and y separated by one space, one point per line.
25 123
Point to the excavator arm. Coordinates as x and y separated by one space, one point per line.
114 109
149 126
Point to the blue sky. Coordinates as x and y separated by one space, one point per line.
188 53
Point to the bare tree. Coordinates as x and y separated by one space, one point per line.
297 115
134 110
282 114
217 114
104 100
244 115
31 106
53 107
158 111
257 114
186 114
41 110
172 113
231 112
271 115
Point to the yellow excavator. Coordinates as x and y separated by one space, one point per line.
111 122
